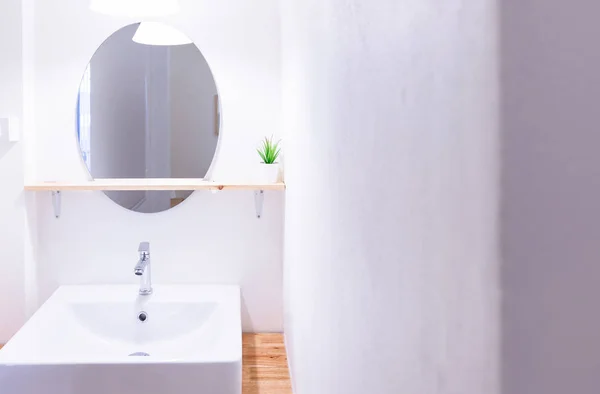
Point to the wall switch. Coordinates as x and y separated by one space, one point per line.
14 129
10 128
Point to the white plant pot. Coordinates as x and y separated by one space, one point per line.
270 172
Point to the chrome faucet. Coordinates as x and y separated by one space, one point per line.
142 269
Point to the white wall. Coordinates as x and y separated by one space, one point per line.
391 165
209 238
550 197
12 213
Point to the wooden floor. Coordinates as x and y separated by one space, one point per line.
265 369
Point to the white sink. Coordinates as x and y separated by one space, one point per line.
91 339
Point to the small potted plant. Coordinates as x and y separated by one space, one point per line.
269 152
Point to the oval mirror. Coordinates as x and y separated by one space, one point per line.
148 107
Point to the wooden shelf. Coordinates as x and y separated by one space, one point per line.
150 184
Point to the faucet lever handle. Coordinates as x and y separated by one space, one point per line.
144 247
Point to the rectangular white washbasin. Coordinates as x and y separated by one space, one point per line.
91 339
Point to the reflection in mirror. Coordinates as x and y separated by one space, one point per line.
147 111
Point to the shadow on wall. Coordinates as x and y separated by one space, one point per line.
550 77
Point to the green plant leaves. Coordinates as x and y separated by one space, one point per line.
269 151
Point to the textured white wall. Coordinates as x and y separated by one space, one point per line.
12 212
390 112
550 197
208 238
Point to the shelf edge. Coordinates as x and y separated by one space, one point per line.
106 186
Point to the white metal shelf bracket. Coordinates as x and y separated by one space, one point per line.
56 200
259 199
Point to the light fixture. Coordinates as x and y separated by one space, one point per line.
155 33
135 8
